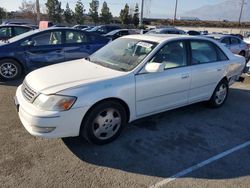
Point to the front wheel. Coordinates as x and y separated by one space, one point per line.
10 69
104 122
220 95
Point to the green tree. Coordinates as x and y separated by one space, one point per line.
68 14
54 10
79 12
93 10
136 19
125 17
105 16
3 13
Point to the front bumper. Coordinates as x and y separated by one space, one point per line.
48 124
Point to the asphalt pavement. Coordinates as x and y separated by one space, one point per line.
147 154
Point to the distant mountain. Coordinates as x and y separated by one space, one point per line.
228 10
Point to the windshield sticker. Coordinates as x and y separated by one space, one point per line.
144 44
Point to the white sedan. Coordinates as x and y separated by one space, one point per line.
130 78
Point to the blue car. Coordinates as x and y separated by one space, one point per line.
40 48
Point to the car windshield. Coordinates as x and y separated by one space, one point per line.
113 32
123 54
19 37
95 28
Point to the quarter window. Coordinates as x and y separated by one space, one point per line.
75 37
172 55
203 52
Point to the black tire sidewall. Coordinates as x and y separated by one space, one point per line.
212 102
19 69
86 129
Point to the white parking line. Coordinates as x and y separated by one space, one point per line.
199 165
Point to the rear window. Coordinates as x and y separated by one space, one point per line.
206 52
20 30
226 41
73 37
235 40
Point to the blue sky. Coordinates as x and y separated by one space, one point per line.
155 8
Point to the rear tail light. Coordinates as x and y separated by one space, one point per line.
248 45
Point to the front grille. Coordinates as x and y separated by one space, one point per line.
28 93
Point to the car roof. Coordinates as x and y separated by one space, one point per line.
15 25
159 38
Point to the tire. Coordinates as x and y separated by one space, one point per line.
10 69
220 95
104 122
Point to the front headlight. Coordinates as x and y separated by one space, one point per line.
54 102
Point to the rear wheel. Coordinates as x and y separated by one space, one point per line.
220 95
104 122
10 69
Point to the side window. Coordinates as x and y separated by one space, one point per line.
75 37
226 41
235 40
172 55
203 52
5 32
20 30
48 38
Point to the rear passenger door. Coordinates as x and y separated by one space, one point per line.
207 68
76 45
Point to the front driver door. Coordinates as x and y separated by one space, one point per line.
44 49
168 89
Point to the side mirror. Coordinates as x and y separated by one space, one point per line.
154 67
28 43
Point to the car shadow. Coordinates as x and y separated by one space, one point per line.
164 144
12 83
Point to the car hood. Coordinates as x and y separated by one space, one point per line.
55 78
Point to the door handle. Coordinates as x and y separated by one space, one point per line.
185 76
219 69
58 50
88 47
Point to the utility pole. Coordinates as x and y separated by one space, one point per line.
141 15
241 10
175 11
38 18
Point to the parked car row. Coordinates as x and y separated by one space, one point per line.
10 31
38 48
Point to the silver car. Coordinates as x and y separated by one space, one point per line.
234 44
